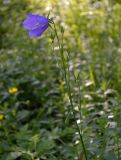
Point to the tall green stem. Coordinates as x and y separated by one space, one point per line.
69 88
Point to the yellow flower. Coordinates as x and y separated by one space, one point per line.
1 117
13 90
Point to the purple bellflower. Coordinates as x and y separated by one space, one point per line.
36 24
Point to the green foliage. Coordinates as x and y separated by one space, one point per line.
35 117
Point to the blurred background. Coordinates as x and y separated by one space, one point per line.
34 120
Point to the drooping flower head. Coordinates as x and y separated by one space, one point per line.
36 24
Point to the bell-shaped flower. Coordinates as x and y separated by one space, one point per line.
36 24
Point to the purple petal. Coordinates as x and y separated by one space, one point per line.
31 22
30 15
36 24
42 19
37 32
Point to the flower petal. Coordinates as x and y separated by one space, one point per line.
30 22
36 24
30 15
42 20
37 32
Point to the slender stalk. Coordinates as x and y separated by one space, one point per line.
67 80
74 114
79 98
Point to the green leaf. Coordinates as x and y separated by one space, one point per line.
45 146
